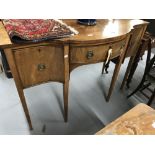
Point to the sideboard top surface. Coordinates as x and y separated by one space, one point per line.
104 29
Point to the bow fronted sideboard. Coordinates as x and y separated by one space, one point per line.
53 60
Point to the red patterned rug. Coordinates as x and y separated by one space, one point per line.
35 30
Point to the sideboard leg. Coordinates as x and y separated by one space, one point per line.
132 71
127 72
114 78
65 95
66 81
24 105
19 85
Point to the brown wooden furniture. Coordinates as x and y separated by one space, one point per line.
35 63
140 52
148 78
135 40
88 53
140 120
150 31
32 65
134 44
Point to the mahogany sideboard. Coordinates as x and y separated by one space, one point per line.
53 60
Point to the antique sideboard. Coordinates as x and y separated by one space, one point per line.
53 60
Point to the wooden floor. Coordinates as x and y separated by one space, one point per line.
88 110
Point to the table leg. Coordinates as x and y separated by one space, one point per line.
116 71
66 81
127 72
114 78
146 44
19 85
23 101
65 94
132 71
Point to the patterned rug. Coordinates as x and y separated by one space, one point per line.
35 30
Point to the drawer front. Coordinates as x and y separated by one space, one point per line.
92 54
39 64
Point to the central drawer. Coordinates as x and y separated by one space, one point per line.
39 64
95 53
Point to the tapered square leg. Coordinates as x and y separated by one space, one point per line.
127 72
19 85
24 105
66 81
114 78
65 95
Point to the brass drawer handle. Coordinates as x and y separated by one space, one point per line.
41 67
90 54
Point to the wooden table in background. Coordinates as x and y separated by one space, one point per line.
140 120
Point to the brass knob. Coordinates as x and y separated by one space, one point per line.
41 67
90 54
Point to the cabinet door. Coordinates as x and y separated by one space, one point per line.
39 64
